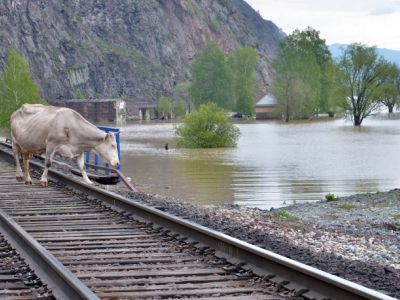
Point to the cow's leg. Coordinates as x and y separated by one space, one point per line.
47 164
18 173
81 164
25 162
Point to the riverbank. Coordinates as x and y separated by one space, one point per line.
357 237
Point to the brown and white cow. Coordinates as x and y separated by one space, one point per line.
37 129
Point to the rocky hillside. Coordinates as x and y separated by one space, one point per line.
138 48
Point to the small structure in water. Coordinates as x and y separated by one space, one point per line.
266 108
98 110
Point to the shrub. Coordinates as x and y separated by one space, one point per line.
207 127
331 197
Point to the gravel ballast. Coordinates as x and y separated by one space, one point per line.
356 238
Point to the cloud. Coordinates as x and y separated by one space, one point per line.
383 10
339 21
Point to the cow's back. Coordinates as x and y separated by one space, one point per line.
35 125
31 125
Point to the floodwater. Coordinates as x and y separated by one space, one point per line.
274 164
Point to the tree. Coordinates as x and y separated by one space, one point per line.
362 73
243 62
295 87
16 87
389 92
165 107
212 78
207 127
181 93
179 108
308 43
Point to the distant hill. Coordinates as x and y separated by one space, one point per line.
390 55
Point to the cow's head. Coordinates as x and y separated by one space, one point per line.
107 150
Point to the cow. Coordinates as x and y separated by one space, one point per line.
38 129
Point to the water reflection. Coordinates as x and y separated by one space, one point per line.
274 164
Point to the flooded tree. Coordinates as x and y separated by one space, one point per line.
295 86
362 72
212 78
309 43
389 92
243 62
207 127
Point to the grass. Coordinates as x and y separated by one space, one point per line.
283 214
348 206
396 218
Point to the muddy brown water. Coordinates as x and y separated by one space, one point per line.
273 165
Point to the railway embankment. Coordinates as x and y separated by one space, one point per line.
356 237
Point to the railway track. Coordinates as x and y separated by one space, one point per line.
110 247
17 280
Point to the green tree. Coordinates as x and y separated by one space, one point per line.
179 108
207 127
308 43
362 73
389 92
181 94
16 87
243 62
165 106
212 78
295 87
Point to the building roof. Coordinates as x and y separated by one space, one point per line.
267 100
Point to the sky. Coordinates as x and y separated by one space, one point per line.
371 22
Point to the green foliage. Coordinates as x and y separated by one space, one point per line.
295 86
389 92
80 94
16 87
212 78
179 108
181 96
283 214
362 72
397 217
215 25
331 197
207 127
304 75
165 105
243 62
349 206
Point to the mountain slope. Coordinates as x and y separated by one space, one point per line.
138 48
389 54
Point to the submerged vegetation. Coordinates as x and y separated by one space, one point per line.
308 81
207 127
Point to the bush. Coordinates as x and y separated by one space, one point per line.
207 127
331 197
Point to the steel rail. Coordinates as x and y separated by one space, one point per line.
314 283
59 279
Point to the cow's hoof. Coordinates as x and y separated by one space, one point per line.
44 183
28 181
19 178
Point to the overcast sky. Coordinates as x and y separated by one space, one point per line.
372 22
